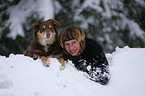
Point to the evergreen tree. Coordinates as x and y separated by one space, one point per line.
111 22
108 21
19 44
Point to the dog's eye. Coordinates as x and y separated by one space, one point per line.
42 30
51 29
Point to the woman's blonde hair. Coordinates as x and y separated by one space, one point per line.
70 33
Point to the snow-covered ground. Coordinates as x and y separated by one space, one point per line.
23 76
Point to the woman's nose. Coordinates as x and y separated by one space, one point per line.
71 47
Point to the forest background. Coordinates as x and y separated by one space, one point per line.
111 22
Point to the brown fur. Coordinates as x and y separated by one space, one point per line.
45 42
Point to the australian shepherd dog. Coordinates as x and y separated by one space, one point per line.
45 42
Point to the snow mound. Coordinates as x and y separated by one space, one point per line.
22 76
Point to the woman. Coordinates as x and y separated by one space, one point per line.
86 54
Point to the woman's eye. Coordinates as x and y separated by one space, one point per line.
66 44
74 42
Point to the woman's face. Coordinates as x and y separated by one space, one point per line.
72 47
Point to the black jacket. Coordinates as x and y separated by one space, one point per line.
93 61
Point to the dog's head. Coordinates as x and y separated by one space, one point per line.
45 31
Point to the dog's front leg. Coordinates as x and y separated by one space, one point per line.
45 61
61 60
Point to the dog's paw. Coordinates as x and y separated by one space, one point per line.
62 68
47 63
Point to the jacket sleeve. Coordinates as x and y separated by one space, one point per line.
97 64
98 69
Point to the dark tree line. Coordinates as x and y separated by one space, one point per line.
103 28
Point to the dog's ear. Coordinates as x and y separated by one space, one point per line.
55 22
35 27
36 24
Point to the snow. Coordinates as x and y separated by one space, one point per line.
141 2
111 10
20 12
22 76
46 9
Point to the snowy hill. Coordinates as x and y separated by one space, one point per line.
23 76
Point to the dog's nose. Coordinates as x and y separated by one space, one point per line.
48 35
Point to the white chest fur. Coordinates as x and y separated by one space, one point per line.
45 48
